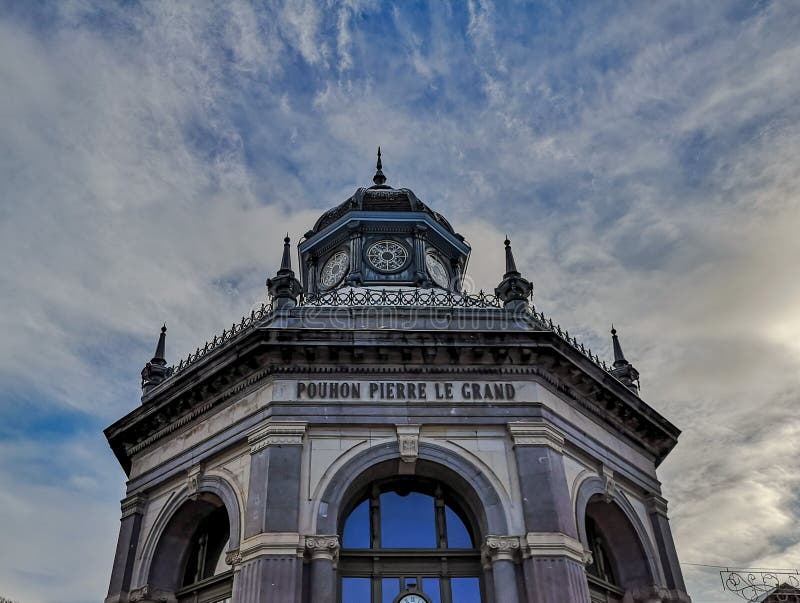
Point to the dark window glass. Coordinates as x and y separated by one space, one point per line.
457 533
356 529
356 590
466 590
390 588
208 546
432 588
407 522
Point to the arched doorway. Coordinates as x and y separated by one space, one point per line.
189 559
409 536
619 562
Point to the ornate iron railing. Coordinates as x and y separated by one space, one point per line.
383 298
401 297
757 584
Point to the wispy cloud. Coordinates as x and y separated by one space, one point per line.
642 159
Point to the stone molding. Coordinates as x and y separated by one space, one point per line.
148 594
322 547
284 433
408 441
553 544
284 544
657 504
501 548
133 505
538 433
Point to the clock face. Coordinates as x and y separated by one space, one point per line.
412 598
437 271
387 256
334 269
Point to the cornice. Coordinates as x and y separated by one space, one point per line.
536 433
553 544
277 433
267 353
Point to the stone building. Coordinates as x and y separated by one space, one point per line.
374 434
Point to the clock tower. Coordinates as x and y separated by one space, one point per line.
373 433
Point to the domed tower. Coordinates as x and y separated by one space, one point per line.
382 236
375 434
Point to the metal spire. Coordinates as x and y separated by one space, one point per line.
514 290
158 357
511 266
619 357
623 370
379 179
155 371
284 286
286 260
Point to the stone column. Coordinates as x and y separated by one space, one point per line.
130 525
272 550
324 552
502 552
553 555
657 508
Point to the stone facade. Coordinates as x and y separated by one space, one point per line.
280 426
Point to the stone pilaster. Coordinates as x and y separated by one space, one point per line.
657 508
324 553
553 556
130 526
502 553
271 553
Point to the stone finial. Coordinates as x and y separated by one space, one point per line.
284 286
514 290
155 371
623 370
379 179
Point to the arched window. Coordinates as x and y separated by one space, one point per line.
190 557
619 562
409 536
600 572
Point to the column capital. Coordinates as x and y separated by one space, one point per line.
133 504
553 544
536 433
233 557
322 547
284 544
501 548
278 433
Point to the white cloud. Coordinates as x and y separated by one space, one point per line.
151 159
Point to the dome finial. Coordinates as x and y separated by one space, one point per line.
379 179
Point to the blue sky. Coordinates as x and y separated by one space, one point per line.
642 156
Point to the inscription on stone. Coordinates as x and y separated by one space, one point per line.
403 390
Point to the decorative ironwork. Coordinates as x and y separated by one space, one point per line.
356 297
401 297
757 584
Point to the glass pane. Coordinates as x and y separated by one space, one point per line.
390 589
432 588
407 522
356 590
356 528
466 590
457 533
